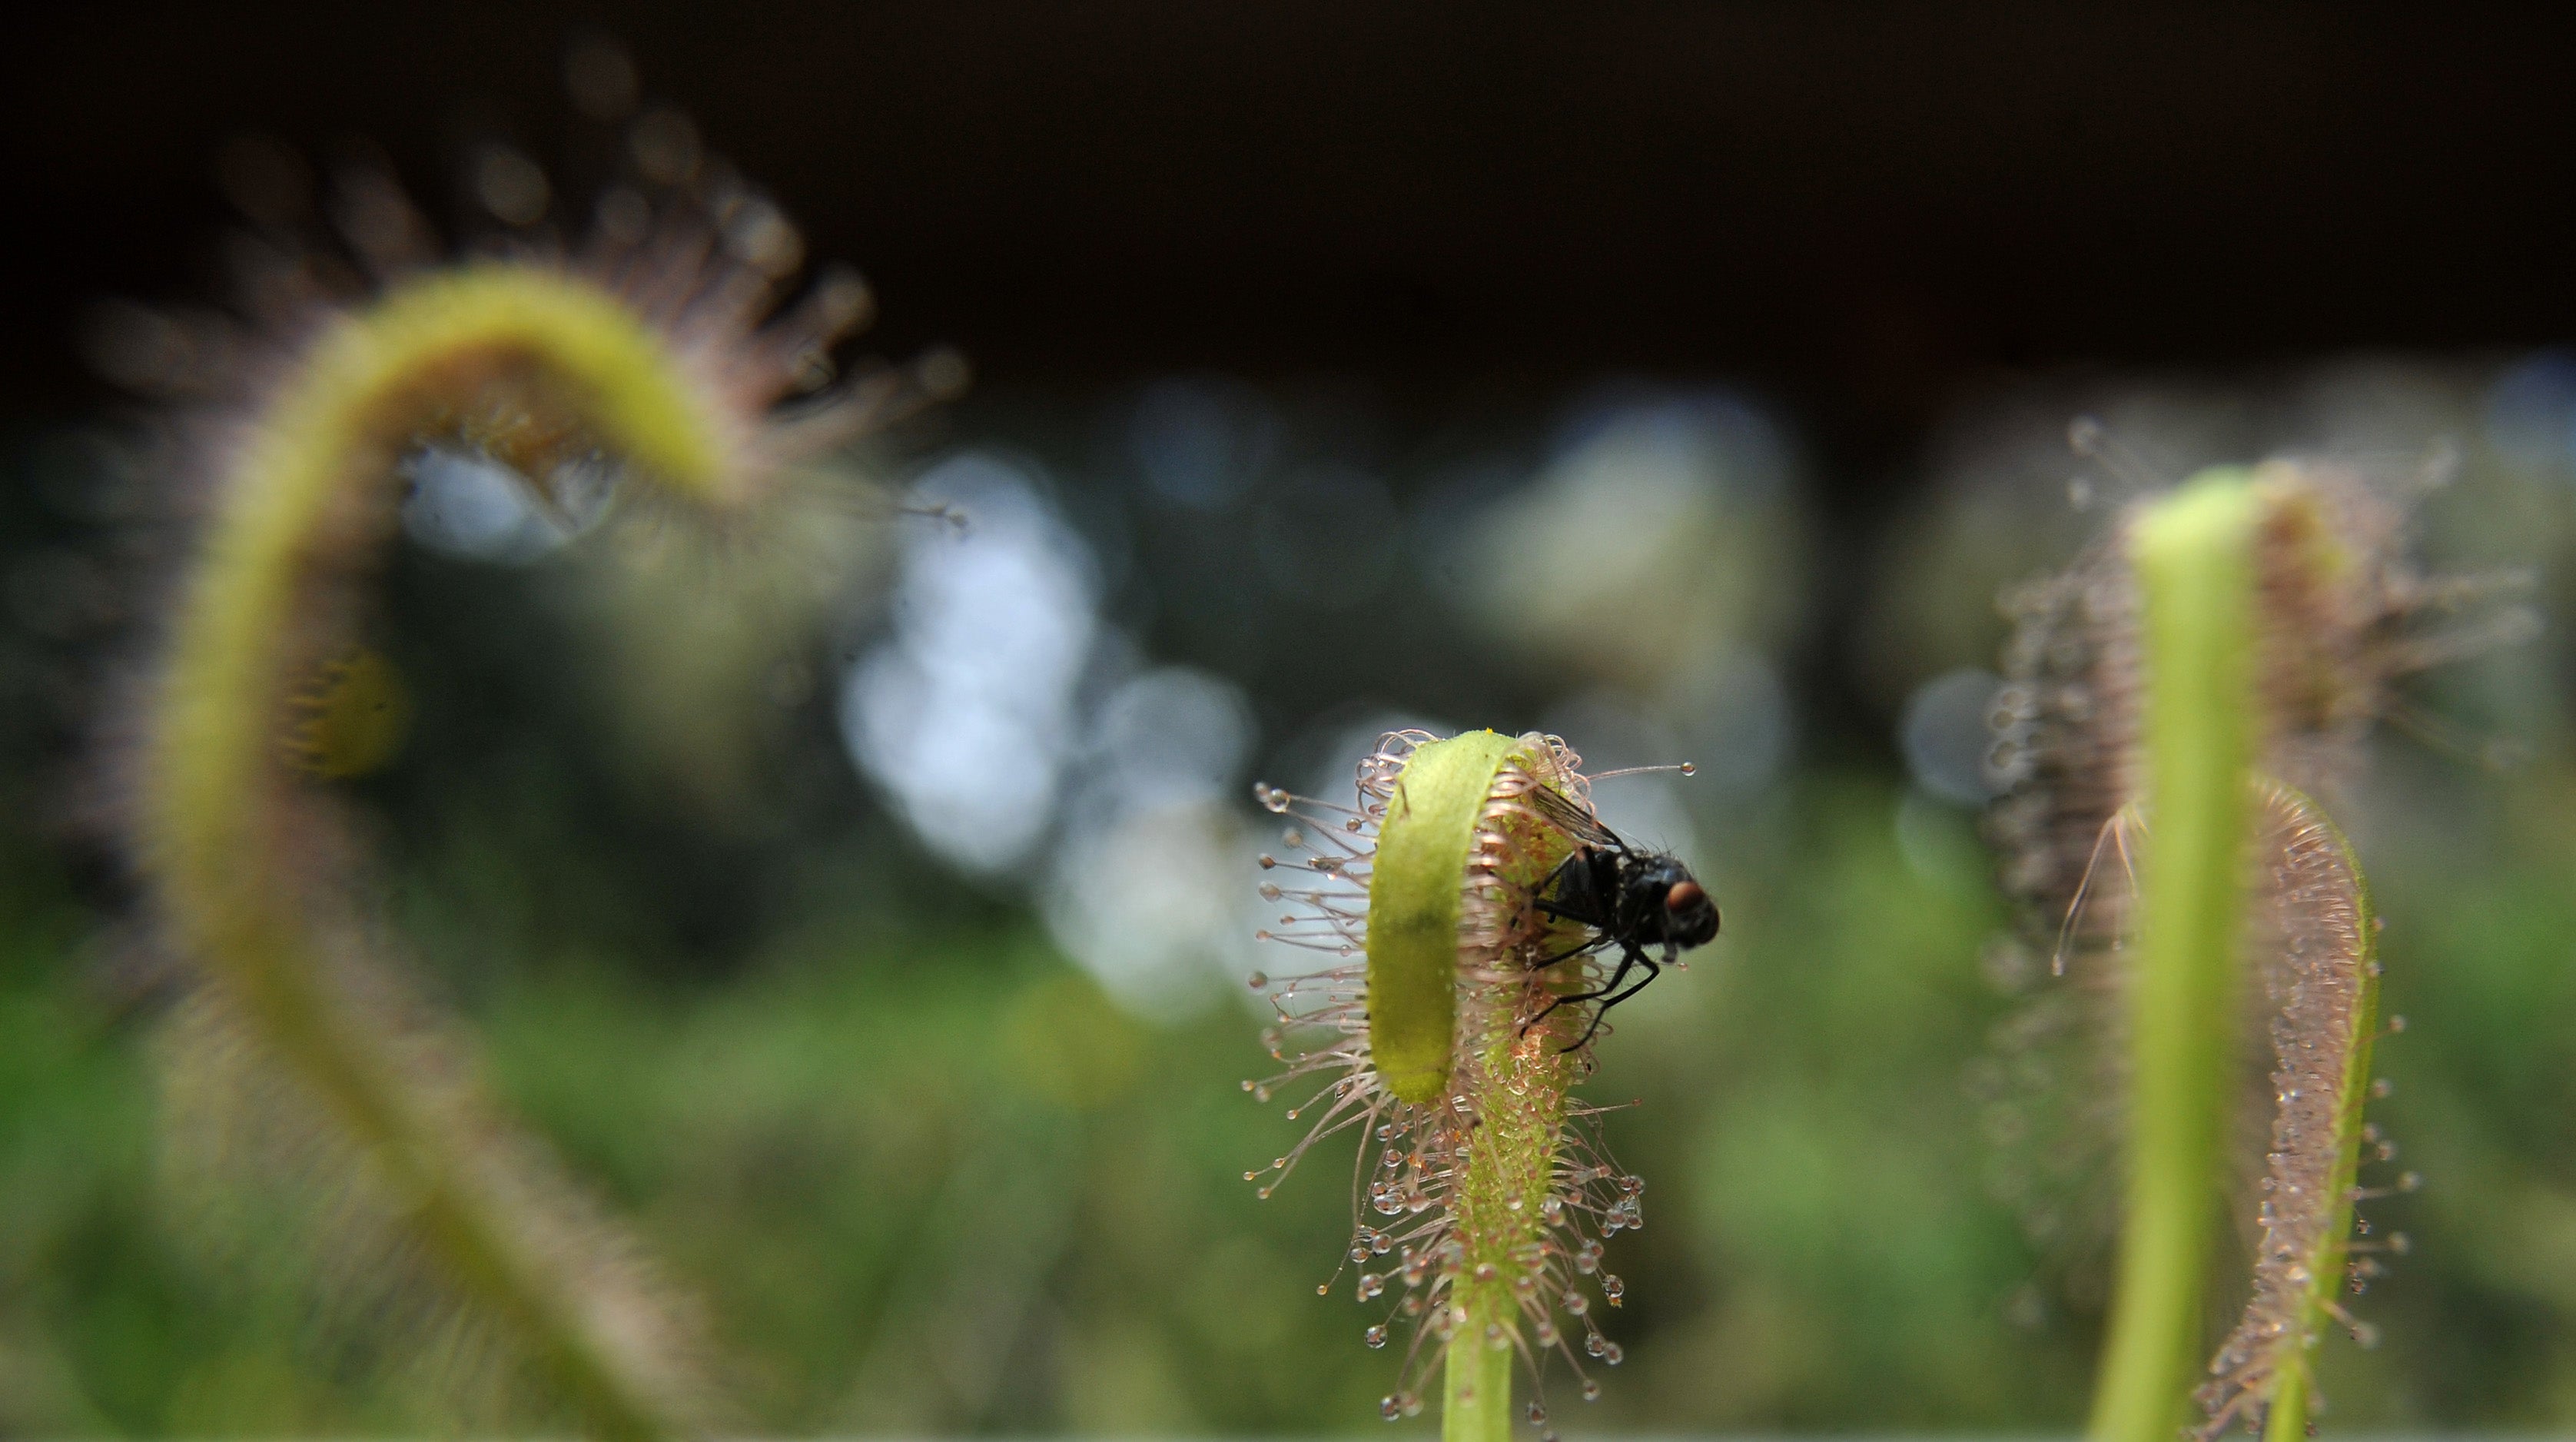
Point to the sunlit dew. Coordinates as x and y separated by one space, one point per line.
967 714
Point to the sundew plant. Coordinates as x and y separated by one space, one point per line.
2187 711
1449 1039
667 356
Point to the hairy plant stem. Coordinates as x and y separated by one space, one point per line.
2193 555
1498 1202
225 835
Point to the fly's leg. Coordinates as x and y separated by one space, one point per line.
1633 955
1629 956
1565 955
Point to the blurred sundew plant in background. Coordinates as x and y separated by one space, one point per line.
929 1096
629 380
2187 707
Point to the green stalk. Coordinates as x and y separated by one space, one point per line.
1498 1220
2193 557
1478 1407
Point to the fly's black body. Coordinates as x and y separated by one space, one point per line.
1630 898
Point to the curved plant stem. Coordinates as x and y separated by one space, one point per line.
2193 557
228 839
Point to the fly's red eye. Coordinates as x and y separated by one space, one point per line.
1684 894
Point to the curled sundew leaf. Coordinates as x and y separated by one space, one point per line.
2321 980
1485 1194
650 351
1423 843
2251 623
352 719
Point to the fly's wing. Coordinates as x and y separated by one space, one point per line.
1571 819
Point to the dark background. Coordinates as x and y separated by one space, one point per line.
1857 205
1863 213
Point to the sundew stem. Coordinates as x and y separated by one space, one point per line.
2193 554
1497 1206
225 837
